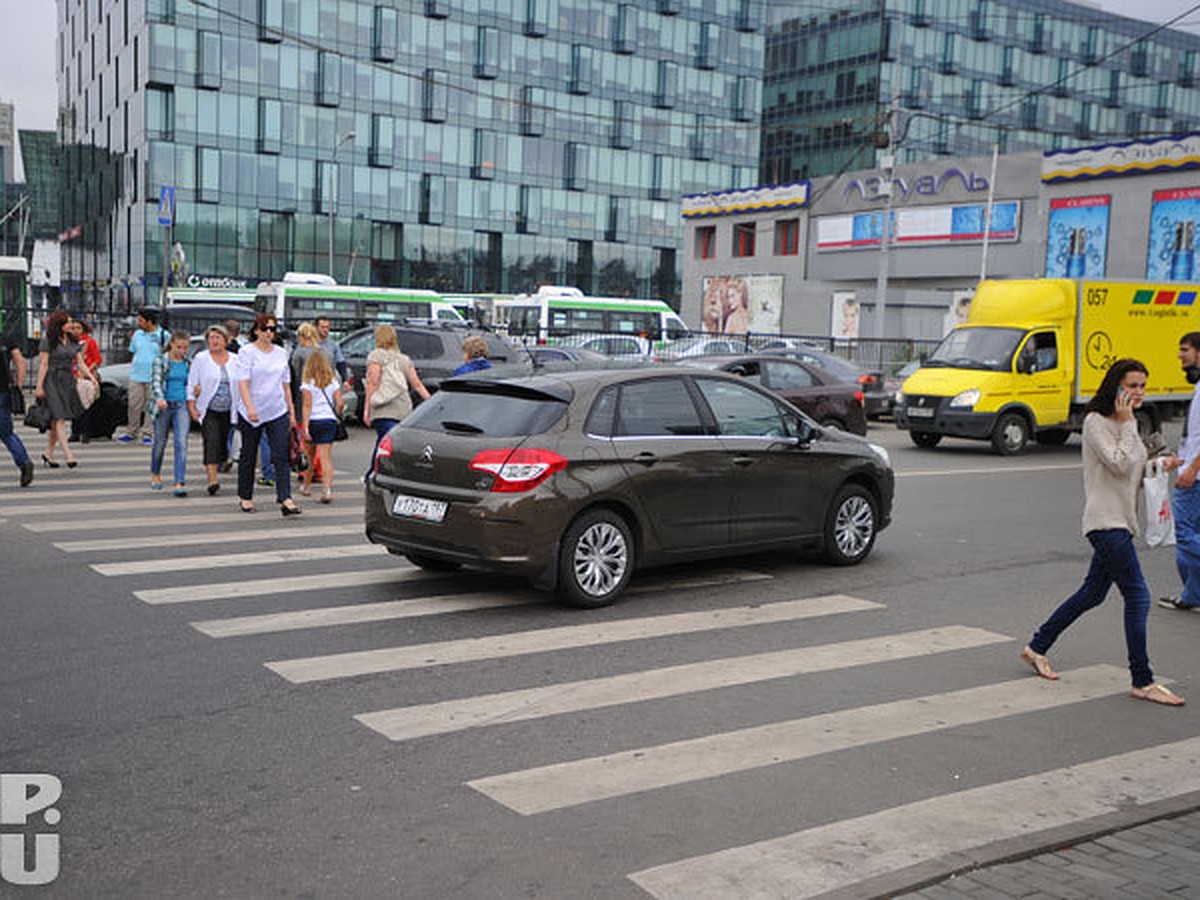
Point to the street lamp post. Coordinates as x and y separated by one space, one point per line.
333 192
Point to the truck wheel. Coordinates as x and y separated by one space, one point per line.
596 559
925 438
1053 437
1011 434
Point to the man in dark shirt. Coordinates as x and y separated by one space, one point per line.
10 347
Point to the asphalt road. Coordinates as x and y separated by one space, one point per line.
243 706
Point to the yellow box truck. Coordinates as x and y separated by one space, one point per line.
1033 352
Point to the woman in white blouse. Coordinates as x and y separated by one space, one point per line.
264 405
211 401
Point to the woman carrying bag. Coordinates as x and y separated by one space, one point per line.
210 400
60 358
390 375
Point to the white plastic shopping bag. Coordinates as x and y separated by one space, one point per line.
1158 524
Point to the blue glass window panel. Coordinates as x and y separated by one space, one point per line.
487 52
384 34
625 29
270 20
208 60
208 174
329 78
580 80
537 18
435 96
382 149
270 125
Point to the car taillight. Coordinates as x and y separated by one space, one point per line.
517 470
384 450
858 395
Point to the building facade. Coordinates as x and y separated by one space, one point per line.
967 76
807 257
426 143
8 135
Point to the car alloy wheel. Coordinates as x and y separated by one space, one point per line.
597 559
850 528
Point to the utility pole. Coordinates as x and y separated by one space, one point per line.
335 183
987 217
888 164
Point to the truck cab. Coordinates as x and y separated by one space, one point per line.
1006 375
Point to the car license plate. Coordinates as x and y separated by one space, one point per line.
920 412
419 508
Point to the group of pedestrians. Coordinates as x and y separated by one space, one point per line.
254 392
1114 458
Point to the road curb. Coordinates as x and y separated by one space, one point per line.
922 875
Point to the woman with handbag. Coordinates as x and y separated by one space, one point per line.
322 414
390 376
60 358
1113 461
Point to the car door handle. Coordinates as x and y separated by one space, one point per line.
743 460
646 458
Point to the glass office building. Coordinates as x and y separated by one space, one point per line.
968 75
478 145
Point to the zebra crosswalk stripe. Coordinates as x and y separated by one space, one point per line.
235 560
357 613
819 860
389 659
172 518
649 768
407 722
288 531
292 584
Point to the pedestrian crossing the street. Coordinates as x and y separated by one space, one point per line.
298 592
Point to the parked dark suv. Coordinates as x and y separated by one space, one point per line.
436 352
576 479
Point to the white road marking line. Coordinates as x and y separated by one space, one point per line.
649 768
318 531
149 501
818 860
312 516
994 470
406 722
354 614
389 659
325 616
261 587
139 481
234 560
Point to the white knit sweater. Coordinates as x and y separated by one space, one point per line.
1113 461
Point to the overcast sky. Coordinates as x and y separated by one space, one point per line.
27 50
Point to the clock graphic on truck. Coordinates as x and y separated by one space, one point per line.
1099 351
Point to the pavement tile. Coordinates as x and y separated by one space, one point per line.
1120 845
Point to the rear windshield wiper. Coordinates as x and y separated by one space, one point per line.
463 427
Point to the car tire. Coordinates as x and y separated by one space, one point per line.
926 439
595 559
850 526
1053 437
831 422
432 563
1010 437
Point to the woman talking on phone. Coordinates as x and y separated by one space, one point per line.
1113 460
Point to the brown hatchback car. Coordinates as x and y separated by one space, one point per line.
576 479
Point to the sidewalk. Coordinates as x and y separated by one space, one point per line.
1158 859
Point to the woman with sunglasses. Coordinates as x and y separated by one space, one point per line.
265 406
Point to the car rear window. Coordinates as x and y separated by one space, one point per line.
487 410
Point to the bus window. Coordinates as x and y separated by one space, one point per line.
577 320
631 322
676 328
523 320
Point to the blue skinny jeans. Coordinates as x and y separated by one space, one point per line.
1114 561
1185 507
174 418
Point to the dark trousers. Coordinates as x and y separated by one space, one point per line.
7 436
276 432
1114 561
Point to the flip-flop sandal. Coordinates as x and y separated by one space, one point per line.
1157 693
1039 664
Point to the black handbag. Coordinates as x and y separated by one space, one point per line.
38 416
16 401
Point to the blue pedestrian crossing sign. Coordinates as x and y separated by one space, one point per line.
166 205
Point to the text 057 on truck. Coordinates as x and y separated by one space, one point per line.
1032 353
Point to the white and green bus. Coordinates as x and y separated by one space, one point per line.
350 306
555 312
14 298
224 296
